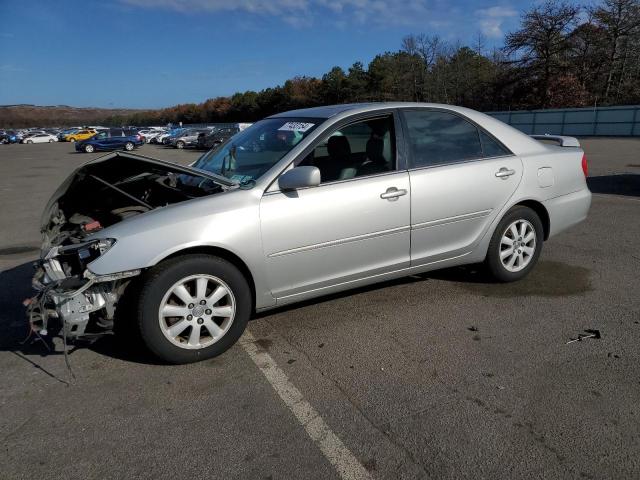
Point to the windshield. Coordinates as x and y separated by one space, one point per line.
250 153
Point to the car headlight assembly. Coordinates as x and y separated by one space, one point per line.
90 251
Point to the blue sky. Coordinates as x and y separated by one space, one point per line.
156 53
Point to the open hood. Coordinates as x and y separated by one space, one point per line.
117 186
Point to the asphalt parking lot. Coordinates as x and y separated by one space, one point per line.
436 376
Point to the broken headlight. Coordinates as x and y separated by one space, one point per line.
89 251
73 259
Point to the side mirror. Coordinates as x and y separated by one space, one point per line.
299 177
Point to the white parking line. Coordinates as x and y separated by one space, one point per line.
346 464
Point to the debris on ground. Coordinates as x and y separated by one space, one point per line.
589 333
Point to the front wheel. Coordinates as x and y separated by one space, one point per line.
29 141
515 245
50 140
180 144
192 308
72 140
128 146
89 148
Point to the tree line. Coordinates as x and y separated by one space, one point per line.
562 55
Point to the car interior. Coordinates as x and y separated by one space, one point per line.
356 150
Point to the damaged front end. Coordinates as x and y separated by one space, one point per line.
82 304
75 224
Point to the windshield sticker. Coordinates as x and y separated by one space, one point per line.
296 126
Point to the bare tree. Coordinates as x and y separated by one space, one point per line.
620 19
542 43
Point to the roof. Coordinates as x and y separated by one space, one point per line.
515 140
329 111
325 111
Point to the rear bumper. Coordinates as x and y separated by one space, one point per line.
567 210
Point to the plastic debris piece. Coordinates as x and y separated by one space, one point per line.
589 333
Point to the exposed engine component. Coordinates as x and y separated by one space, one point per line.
99 194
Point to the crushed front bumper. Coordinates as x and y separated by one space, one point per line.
82 305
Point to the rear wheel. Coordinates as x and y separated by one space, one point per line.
89 148
51 140
515 245
128 146
193 307
29 141
72 139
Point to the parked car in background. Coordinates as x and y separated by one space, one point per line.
150 134
216 137
301 204
188 138
63 133
40 138
104 141
9 136
176 132
80 135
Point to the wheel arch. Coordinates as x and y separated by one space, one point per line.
227 255
541 211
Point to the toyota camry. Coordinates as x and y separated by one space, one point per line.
299 205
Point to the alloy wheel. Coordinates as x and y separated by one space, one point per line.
197 311
517 245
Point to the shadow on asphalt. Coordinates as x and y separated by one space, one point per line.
547 279
14 328
627 184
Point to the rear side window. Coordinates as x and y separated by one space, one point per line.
439 138
491 147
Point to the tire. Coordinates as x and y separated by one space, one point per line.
72 140
156 295
507 262
180 145
50 141
89 148
128 146
29 141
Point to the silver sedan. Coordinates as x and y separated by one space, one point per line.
299 205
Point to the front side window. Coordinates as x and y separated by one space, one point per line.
355 150
251 153
438 138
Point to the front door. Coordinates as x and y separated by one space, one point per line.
354 225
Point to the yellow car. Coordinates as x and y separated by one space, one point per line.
79 135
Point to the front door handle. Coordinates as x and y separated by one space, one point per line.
392 194
503 173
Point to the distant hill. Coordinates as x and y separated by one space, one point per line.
18 116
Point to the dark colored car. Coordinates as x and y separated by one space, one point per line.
107 141
9 137
207 141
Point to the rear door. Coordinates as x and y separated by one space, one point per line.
461 177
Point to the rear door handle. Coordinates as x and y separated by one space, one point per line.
504 173
392 194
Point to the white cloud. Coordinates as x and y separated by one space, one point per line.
302 13
491 20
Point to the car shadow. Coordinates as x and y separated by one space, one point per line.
15 336
127 346
627 184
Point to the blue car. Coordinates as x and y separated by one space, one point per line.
105 142
9 137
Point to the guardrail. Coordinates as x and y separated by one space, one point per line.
622 121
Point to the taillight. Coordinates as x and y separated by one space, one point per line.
585 169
